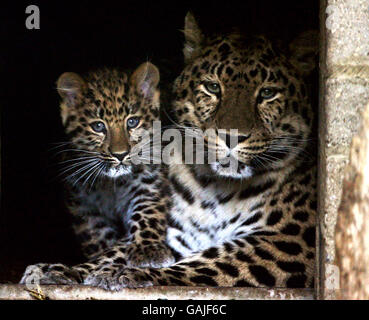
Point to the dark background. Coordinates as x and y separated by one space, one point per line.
79 36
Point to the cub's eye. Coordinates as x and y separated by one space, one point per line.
268 93
212 87
98 126
133 122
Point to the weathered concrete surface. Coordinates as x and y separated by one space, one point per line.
19 292
344 91
352 231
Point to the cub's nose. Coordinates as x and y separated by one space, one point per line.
120 156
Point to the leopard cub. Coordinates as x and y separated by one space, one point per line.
106 115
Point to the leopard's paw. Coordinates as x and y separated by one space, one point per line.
155 255
43 273
127 278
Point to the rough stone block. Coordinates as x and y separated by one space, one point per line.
344 91
345 100
348 31
352 236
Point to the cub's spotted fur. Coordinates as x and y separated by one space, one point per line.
104 115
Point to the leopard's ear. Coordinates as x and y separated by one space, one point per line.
146 79
304 51
193 38
71 87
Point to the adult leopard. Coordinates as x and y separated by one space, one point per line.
249 226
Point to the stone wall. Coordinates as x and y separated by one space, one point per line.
352 230
344 91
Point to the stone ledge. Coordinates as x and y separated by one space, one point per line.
54 292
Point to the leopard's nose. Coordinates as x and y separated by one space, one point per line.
120 156
227 138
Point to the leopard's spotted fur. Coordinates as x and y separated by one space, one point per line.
250 227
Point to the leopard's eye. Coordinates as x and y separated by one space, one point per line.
267 93
133 122
98 126
212 87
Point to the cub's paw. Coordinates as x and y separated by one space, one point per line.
43 273
127 278
154 254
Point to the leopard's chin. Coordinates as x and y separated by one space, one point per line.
232 168
118 171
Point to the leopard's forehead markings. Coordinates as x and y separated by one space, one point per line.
235 57
107 95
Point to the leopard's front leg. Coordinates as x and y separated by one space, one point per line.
251 262
147 227
94 231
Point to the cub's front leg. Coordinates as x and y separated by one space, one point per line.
94 234
148 204
147 234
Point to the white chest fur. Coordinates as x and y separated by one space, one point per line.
208 216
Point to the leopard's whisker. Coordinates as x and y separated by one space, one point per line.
97 175
75 165
84 167
78 150
93 171
91 167
77 159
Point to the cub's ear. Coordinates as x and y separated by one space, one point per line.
193 38
146 79
304 50
71 87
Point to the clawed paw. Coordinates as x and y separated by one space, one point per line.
155 255
43 273
128 278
